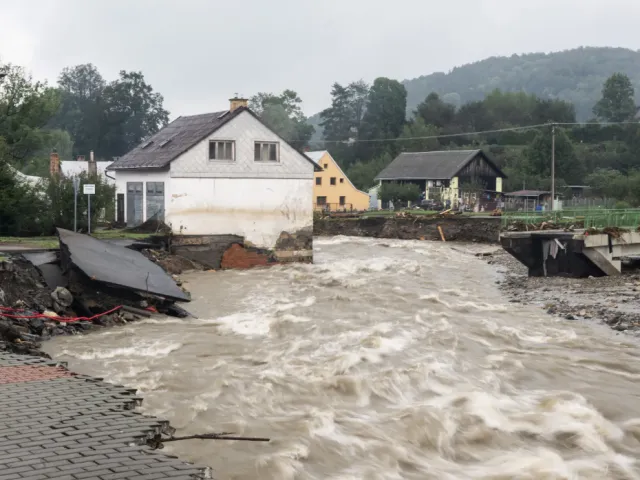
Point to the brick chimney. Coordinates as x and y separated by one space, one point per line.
54 163
93 166
237 102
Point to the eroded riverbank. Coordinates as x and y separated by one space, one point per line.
612 300
384 359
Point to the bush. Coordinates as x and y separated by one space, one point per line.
399 193
60 198
621 205
23 211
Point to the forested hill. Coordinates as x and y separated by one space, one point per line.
574 75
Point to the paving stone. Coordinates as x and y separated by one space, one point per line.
62 426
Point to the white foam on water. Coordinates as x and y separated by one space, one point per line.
141 349
387 359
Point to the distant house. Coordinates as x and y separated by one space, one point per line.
73 168
219 174
332 189
530 200
450 176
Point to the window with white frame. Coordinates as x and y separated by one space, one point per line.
221 150
267 152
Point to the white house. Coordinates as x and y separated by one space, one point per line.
223 173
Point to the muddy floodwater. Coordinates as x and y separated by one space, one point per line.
386 359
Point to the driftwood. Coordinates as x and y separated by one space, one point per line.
157 442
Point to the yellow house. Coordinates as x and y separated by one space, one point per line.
332 189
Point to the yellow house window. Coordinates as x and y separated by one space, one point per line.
343 200
332 180
318 180
326 165
342 180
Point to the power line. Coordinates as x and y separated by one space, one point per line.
482 132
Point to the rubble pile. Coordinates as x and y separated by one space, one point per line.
611 300
521 226
88 284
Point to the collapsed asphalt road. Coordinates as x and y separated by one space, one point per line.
87 284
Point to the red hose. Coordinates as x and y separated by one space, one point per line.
56 319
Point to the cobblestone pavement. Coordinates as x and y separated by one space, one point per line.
58 425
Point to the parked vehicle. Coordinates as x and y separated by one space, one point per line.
429 204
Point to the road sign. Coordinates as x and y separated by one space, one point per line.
89 189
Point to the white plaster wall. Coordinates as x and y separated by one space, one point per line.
123 176
245 130
255 208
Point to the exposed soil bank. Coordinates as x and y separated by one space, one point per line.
613 300
456 229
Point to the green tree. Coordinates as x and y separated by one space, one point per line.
384 117
567 165
283 114
22 210
618 100
436 112
133 112
25 109
82 111
474 117
413 131
108 118
363 174
385 110
341 121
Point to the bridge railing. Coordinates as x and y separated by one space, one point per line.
589 218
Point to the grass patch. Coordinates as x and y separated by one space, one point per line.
52 242
35 242
107 234
391 213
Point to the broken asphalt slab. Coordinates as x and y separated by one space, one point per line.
116 265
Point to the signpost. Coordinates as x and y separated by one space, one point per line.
76 186
89 189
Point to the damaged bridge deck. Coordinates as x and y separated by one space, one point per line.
576 254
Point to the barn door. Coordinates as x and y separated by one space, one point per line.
134 204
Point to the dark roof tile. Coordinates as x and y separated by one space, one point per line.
176 138
183 133
440 165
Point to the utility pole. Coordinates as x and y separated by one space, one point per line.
553 165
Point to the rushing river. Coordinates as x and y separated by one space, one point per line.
384 360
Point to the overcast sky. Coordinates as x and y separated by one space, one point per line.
198 53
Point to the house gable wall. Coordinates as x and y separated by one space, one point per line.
244 130
354 198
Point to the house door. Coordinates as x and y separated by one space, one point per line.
134 204
120 206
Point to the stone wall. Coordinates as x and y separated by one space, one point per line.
458 229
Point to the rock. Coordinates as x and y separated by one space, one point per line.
50 314
2 297
62 296
37 325
569 317
143 304
129 317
